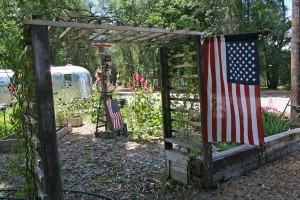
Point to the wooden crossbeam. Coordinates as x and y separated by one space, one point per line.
194 112
185 143
110 27
182 66
66 32
186 132
187 122
115 34
184 99
126 35
186 76
139 36
83 34
182 55
99 41
152 36
97 34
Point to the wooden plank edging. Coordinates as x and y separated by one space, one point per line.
245 158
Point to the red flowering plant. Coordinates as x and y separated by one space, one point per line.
143 112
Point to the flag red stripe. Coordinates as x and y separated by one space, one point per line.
204 93
232 124
214 97
258 115
239 102
250 131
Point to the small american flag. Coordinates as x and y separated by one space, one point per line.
231 91
114 113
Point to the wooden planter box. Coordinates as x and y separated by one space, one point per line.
64 131
74 121
245 158
6 145
9 142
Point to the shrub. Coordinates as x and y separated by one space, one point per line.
143 113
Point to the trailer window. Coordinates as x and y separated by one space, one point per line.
68 78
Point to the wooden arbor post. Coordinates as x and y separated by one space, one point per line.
295 64
207 169
45 111
165 94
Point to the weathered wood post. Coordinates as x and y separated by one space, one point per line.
295 64
165 95
45 111
207 169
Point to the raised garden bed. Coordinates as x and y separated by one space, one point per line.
74 121
9 142
245 158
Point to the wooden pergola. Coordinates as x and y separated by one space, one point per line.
42 32
98 33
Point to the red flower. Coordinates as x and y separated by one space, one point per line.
146 83
142 80
137 77
133 82
145 88
152 87
12 88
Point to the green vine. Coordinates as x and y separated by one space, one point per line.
22 89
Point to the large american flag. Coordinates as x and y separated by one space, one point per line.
114 113
231 91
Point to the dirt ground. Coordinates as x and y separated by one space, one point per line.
122 169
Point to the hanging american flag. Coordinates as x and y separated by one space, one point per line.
231 91
114 113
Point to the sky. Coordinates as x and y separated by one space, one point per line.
288 3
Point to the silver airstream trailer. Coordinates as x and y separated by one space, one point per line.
6 76
71 82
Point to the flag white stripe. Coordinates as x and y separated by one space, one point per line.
236 113
228 109
218 90
253 116
245 113
209 100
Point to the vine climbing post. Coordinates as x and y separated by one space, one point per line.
45 111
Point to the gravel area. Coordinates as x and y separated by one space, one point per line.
123 169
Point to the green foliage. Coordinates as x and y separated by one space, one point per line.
23 92
272 122
225 145
143 113
92 106
6 127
